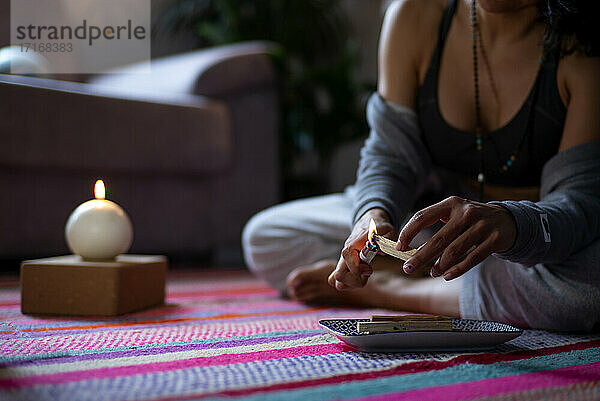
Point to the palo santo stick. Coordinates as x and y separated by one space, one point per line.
388 247
389 327
410 318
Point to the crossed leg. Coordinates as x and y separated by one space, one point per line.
295 246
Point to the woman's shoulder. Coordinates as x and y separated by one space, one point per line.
577 71
578 79
418 19
418 6
408 39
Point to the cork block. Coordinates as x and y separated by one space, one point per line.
68 285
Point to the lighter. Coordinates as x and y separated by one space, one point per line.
370 250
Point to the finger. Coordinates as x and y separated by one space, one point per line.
343 275
351 284
457 250
307 293
352 260
475 257
425 218
436 245
356 238
331 279
351 281
339 270
341 286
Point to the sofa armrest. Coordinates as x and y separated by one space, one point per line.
216 71
84 127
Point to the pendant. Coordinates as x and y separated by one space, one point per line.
480 177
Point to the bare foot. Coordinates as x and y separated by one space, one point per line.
386 288
308 284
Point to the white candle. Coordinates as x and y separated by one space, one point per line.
99 229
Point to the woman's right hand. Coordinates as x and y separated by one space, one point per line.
351 271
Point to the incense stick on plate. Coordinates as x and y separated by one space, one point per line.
390 327
390 324
410 318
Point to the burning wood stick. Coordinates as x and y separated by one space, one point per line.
388 247
377 243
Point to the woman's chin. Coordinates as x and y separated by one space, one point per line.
505 6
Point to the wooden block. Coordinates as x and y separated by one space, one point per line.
68 285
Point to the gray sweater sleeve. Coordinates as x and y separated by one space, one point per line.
394 160
567 219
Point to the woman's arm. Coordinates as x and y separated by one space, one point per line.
579 84
393 155
394 158
408 37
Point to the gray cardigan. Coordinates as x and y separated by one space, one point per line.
550 278
567 219
394 160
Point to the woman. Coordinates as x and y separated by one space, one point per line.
488 101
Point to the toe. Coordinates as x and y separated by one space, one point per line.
331 279
341 286
294 279
307 294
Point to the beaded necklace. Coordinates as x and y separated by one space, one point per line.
479 138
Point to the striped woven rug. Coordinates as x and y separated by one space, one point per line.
228 336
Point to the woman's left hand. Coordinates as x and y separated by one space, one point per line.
472 232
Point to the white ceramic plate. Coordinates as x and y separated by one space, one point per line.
468 335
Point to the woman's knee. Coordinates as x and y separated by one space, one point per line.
572 318
275 224
253 233
270 239
575 289
536 297
255 236
283 237
273 248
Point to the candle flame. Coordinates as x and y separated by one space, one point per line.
372 230
99 190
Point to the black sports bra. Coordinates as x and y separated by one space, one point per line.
536 128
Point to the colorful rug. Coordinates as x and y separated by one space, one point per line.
228 336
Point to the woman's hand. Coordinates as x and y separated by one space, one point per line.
351 272
472 232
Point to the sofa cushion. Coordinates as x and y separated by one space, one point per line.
215 71
65 125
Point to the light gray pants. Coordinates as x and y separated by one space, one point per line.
557 297
297 233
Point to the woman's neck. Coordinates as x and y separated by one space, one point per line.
505 26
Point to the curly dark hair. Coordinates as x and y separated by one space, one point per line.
571 25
